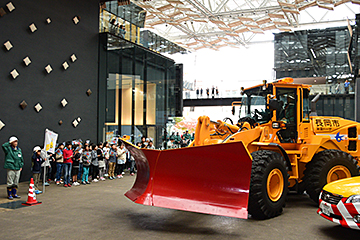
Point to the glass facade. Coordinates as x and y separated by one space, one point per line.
141 90
131 12
111 23
159 44
315 53
132 18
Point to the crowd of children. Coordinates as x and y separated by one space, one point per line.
75 163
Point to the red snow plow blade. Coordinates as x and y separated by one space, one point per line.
212 179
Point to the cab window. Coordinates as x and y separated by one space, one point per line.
288 112
306 105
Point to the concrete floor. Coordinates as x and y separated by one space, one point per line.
100 211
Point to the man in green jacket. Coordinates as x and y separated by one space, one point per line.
14 163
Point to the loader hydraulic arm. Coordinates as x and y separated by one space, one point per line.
202 131
205 128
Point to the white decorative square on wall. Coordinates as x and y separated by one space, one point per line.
27 61
48 20
73 58
65 65
38 107
64 102
76 20
32 27
8 45
2 125
14 73
10 6
48 68
75 123
79 119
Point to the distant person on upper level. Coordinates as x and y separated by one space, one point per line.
197 93
337 88
346 86
207 92
201 92
122 31
112 26
213 92
217 92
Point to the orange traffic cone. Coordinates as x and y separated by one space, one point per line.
31 196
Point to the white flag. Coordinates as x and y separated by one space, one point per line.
50 141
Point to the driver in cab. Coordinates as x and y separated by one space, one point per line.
289 110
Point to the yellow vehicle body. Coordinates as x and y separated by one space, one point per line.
311 135
279 144
313 138
339 202
344 187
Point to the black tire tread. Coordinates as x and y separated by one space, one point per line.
315 167
257 206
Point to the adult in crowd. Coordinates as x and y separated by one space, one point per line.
14 163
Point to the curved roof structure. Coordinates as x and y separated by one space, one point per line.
196 24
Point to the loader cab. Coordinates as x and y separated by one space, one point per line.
287 114
254 108
294 113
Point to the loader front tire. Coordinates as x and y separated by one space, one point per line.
325 167
268 184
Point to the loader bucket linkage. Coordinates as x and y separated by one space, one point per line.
212 179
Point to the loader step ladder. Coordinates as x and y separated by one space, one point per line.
294 156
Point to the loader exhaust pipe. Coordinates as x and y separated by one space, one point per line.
313 105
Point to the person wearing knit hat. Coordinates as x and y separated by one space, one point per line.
14 163
37 160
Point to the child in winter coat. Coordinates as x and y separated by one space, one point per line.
94 162
112 161
121 160
59 162
36 168
86 158
106 150
101 162
75 166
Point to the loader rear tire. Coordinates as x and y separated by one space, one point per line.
325 167
268 184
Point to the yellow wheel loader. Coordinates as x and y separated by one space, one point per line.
236 169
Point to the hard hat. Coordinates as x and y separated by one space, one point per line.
13 139
37 148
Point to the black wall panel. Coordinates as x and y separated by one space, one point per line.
52 44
